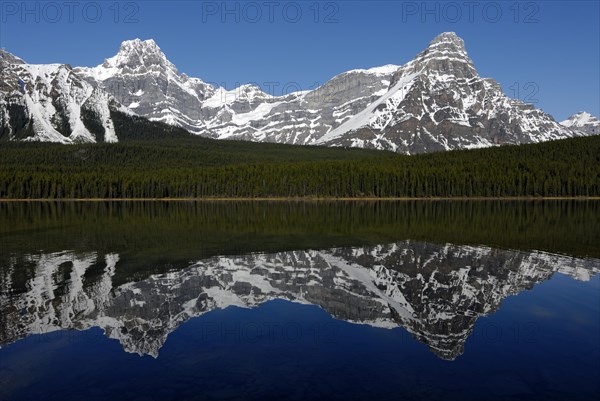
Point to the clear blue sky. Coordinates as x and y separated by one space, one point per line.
553 44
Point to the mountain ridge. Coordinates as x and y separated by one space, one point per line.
435 102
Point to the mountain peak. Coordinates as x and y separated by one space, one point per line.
128 45
448 42
446 55
584 114
580 118
583 122
136 53
448 37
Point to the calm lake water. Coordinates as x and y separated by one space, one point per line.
300 300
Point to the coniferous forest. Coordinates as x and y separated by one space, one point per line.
184 167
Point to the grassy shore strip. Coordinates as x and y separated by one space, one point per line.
313 199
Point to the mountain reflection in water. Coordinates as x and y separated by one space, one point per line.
435 292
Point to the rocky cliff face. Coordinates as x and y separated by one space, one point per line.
52 103
301 118
435 292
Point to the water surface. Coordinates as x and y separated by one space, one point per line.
300 300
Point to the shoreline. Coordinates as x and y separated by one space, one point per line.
309 199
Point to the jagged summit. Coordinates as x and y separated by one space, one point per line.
140 47
446 54
448 38
139 54
139 51
142 78
447 46
135 57
139 43
580 118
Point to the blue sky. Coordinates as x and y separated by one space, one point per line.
544 52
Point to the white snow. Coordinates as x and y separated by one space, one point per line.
223 97
383 70
260 112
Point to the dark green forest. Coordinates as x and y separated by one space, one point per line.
191 167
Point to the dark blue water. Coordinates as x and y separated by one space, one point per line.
542 345
409 319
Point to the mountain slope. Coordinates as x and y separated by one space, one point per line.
51 103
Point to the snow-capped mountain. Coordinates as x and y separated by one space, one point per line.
436 292
435 102
49 102
583 122
141 78
439 102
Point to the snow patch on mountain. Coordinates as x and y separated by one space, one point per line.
383 70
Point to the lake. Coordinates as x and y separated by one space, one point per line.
448 300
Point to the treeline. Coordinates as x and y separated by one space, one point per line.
209 169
